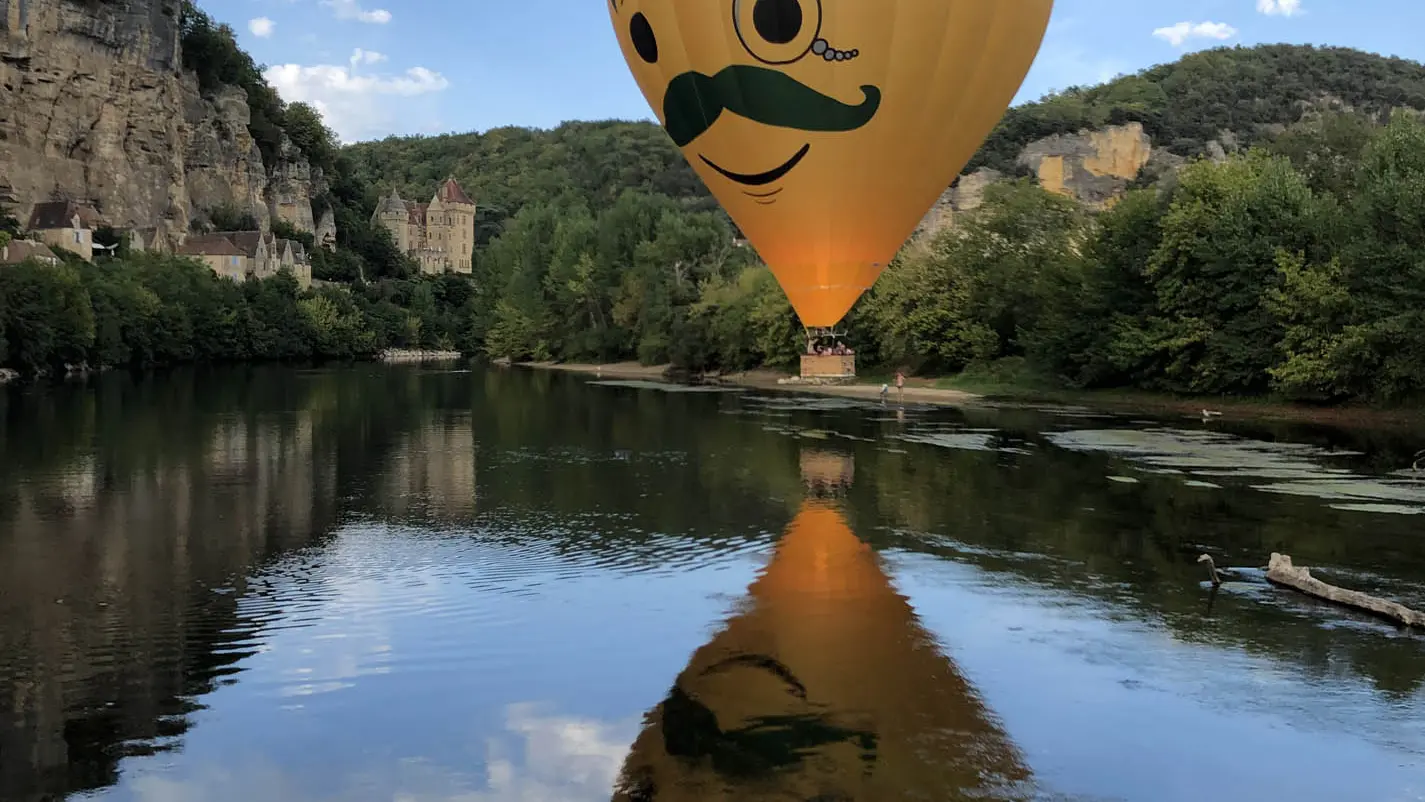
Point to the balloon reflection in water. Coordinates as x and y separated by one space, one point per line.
823 685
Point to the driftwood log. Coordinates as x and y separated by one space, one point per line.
1280 571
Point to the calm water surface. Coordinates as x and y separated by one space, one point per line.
428 585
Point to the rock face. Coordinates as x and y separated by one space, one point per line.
1093 167
291 188
967 193
94 106
90 107
221 161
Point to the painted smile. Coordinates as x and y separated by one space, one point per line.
760 179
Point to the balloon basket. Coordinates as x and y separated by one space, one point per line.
828 368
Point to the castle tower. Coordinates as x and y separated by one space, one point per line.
455 212
393 214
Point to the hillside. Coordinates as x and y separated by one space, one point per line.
1206 103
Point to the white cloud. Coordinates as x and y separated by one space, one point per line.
351 9
1177 35
358 105
261 27
1279 8
360 57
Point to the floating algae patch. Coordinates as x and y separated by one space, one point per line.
667 387
1289 468
1392 509
965 441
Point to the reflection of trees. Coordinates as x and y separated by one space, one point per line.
823 685
1136 546
125 507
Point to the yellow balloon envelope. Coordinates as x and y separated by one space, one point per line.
828 128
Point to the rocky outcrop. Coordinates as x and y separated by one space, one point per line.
1093 167
222 163
292 186
90 107
326 229
965 194
94 106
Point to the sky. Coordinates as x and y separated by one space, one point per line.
381 67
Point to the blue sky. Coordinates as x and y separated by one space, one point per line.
377 67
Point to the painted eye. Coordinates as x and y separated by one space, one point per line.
777 31
640 32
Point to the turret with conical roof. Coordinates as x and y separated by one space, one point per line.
393 214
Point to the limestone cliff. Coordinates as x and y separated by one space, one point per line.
1094 168
222 164
94 106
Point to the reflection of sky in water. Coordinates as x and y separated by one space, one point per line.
1051 666
1289 468
420 666
391 668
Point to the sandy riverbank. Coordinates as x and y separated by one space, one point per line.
766 380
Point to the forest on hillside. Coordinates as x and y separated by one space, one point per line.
1296 268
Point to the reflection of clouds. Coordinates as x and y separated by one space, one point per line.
564 759
538 757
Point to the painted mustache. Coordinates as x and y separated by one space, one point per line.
694 102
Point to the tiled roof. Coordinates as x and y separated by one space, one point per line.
450 192
246 241
418 213
392 204
17 251
209 245
60 214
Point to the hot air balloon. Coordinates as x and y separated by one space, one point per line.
828 128
823 685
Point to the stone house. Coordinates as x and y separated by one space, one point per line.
241 255
146 239
439 235
18 250
65 224
219 253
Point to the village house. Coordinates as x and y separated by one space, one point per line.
241 255
65 224
18 250
145 239
439 235
219 253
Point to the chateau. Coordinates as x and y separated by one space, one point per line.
439 235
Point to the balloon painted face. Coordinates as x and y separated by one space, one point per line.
827 128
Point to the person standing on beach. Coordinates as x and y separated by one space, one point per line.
900 387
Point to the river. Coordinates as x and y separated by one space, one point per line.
438 584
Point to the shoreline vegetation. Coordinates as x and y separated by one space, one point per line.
933 391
